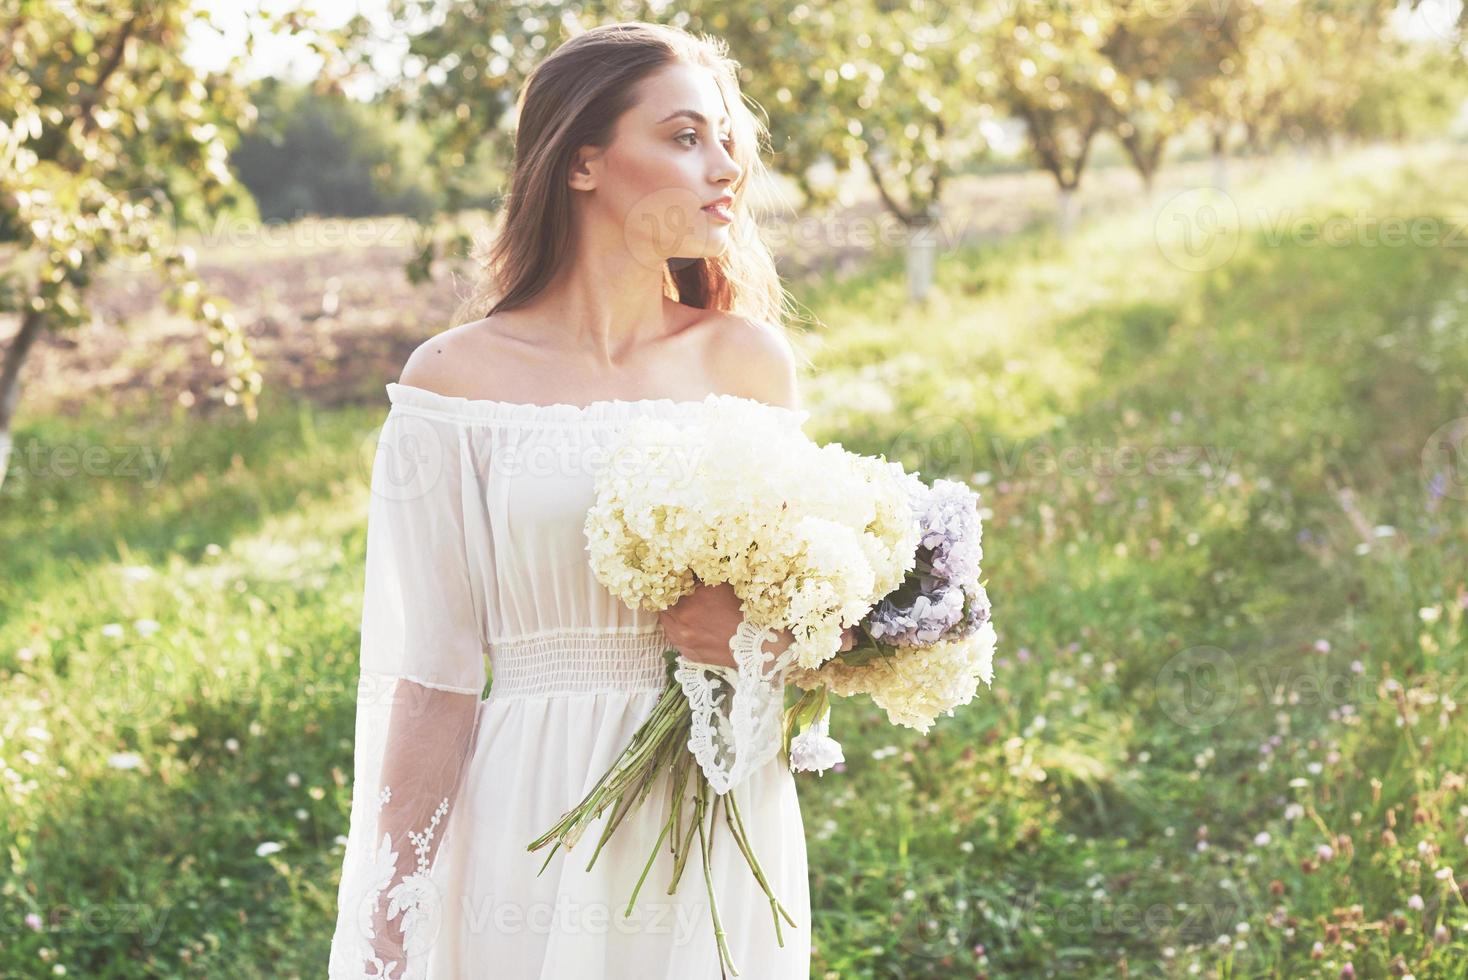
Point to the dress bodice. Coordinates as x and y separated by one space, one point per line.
526 475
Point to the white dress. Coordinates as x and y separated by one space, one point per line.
475 546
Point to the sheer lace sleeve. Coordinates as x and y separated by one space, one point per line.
419 687
737 712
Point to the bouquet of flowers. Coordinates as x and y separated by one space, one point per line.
813 539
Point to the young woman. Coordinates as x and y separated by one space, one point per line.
627 280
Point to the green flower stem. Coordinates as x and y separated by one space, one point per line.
708 874
741 837
647 867
659 746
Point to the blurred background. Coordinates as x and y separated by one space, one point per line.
1180 286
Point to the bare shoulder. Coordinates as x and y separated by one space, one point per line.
450 362
757 358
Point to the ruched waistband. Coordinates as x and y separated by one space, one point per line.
578 662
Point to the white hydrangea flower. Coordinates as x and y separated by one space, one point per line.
810 536
916 684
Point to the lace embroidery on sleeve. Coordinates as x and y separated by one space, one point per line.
414 903
393 903
737 712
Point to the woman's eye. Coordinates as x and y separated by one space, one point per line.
728 143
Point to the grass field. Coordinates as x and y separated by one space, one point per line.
1227 545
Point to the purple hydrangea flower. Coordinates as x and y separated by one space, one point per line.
941 597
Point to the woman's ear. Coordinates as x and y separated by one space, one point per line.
582 176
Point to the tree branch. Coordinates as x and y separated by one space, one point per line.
88 104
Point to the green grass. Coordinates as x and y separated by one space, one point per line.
1258 630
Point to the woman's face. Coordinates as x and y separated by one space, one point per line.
667 162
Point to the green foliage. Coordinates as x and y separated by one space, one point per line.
109 142
1414 93
325 154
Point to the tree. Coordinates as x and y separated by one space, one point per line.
327 154
1411 91
1162 56
1053 76
898 87
1294 71
108 140
463 68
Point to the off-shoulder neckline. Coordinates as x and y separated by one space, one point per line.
600 410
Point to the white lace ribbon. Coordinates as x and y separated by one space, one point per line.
738 713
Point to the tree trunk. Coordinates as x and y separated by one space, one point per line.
1220 171
922 251
1220 160
15 355
1065 216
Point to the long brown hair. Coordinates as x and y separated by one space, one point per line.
572 99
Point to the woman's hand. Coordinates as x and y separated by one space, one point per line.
700 625
387 944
